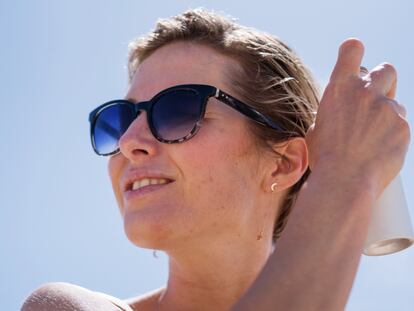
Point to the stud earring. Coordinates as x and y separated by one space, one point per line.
273 186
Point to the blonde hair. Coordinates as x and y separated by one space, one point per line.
272 78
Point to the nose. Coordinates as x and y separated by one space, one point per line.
138 140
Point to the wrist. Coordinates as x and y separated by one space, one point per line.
348 179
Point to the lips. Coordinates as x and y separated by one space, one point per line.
140 182
144 190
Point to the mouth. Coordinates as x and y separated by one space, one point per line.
145 182
141 187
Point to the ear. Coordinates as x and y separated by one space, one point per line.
288 169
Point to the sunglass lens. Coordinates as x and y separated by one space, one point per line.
175 114
110 125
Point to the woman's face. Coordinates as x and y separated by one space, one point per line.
215 180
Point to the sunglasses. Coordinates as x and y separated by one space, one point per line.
174 115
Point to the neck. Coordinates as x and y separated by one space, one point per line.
213 277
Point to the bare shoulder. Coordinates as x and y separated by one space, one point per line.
145 302
66 296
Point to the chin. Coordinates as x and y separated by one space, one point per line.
147 231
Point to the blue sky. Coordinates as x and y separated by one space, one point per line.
60 59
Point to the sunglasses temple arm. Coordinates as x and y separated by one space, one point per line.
269 122
248 111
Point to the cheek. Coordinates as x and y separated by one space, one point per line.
115 165
219 171
228 154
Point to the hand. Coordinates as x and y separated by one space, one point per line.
360 130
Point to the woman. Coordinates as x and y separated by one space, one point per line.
213 185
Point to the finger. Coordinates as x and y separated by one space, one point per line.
349 60
383 79
393 91
399 108
363 71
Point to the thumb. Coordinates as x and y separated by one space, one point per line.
393 90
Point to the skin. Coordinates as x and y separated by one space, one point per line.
208 219
323 241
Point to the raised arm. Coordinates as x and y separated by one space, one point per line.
356 148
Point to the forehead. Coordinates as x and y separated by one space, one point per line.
180 63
